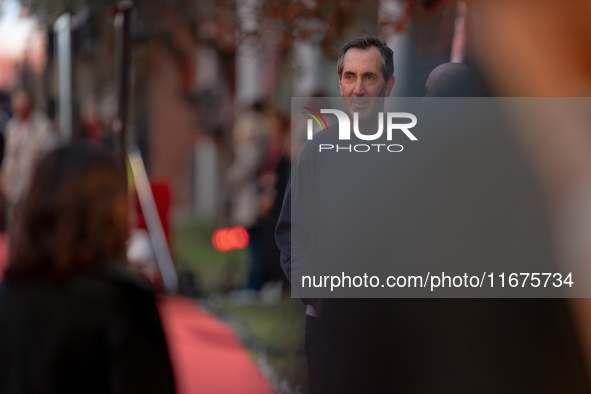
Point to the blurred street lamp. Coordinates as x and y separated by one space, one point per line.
123 74
63 38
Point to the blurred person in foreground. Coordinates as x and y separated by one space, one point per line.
552 63
28 135
74 318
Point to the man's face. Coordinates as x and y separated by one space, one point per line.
362 78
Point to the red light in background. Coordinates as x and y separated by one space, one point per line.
226 239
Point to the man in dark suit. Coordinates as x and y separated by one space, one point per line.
434 345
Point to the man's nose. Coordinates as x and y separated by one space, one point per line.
359 89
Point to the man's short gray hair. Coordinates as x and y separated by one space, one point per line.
367 42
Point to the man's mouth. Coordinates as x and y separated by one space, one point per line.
359 103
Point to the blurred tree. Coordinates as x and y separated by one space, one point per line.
323 22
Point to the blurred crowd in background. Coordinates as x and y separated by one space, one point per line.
200 67
209 92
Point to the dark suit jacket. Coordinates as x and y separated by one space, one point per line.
470 197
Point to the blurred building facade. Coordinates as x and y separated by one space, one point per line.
197 64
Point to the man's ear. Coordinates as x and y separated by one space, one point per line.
341 86
389 86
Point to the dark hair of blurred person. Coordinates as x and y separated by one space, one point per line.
454 80
73 216
74 317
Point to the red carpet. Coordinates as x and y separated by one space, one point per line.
206 355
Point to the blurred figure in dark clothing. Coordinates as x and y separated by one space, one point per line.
4 118
241 182
74 318
273 180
